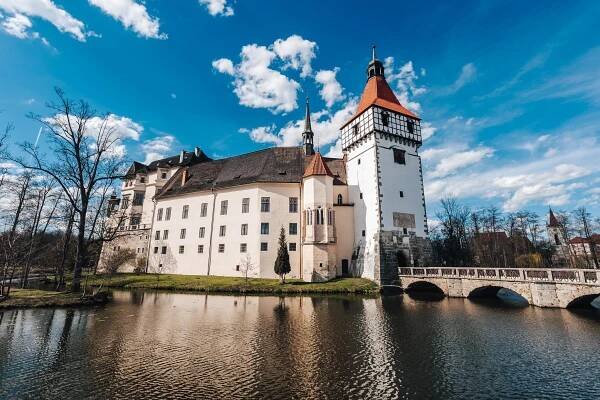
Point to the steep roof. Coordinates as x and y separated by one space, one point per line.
552 221
378 92
189 157
272 165
317 166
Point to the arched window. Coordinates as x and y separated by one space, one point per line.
308 217
340 199
322 219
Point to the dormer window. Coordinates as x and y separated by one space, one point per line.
385 118
163 175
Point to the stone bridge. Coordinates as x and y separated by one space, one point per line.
540 287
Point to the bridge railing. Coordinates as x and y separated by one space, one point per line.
509 274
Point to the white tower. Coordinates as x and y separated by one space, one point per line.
556 235
385 181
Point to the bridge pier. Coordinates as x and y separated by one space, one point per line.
549 292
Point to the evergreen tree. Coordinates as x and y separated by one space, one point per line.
282 263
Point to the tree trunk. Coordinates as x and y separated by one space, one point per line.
81 252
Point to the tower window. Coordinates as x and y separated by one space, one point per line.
163 250
410 126
355 129
399 156
363 233
361 195
556 239
359 161
385 118
340 200
401 193
264 246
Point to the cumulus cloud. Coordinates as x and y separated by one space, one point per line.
452 161
404 80
217 7
427 130
18 22
325 125
331 90
157 148
296 52
133 16
257 84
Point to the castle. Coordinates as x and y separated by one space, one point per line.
361 215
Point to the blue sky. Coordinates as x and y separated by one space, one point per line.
509 92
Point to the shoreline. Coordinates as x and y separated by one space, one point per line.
35 298
219 284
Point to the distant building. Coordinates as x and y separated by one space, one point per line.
570 251
360 215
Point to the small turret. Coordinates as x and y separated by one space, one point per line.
308 135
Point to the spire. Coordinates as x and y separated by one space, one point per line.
375 67
552 221
308 135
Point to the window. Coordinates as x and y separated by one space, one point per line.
329 217
200 248
320 219
401 193
293 204
309 217
157 235
363 233
168 214
340 199
265 204
359 161
125 202
181 249
264 246
405 231
165 234
142 179
138 198
264 228
221 248
185 212
237 267
163 250
410 126
292 246
135 219
399 156
243 247
156 250
244 230
163 175
182 234
385 118
201 232
224 205
222 230
203 208
355 129
293 229
245 205
159 214
556 239
361 195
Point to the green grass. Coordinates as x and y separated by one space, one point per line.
231 284
25 298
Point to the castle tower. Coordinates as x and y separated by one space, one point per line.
319 239
557 238
308 135
385 182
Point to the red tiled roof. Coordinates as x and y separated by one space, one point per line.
317 167
579 240
378 92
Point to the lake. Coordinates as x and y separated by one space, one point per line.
175 345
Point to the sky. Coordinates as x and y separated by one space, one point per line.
508 92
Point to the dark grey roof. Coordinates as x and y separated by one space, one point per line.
276 164
189 158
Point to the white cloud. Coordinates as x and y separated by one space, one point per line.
224 66
44 9
331 90
157 148
217 7
404 80
427 130
256 84
173 96
133 16
297 53
325 125
18 25
452 161
468 73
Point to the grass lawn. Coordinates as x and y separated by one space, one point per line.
231 284
25 298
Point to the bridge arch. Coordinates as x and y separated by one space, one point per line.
509 293
580 300
424 286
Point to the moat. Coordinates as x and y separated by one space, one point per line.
174 345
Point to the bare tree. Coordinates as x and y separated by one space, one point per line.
454 218
247 266
84 157
583 220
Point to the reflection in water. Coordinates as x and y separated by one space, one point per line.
173 345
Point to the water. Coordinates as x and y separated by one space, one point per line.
167 345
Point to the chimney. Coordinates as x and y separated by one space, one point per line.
181 155
184 176
197 151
